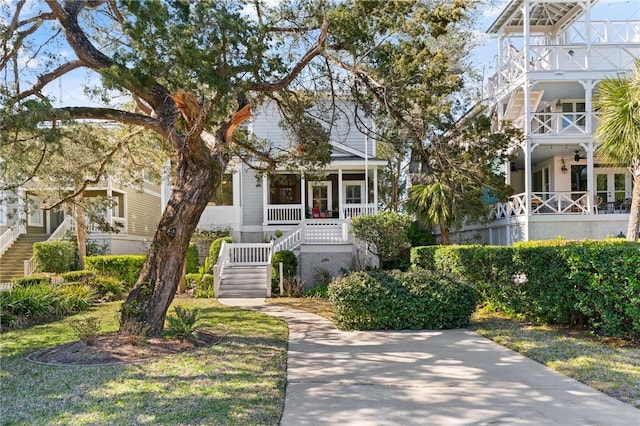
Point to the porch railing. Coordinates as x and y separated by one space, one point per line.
241 254
9 236
353 210
284 213
567 202
325 231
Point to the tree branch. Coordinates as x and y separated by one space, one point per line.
115 115
314 51
45 79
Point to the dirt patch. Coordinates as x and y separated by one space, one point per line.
115 348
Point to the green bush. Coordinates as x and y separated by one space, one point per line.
592 283
205 287
418 299
41 302
55 256
35 279
182 324
289 268
385 233
317 292
85 276
108 288
214 251
192 259
419 236
125 268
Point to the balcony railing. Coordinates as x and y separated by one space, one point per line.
558 123
564 202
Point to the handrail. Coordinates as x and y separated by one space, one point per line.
9 236
289 241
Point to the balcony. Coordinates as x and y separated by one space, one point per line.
558 123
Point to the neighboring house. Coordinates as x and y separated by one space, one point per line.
311 208
551 57
23 221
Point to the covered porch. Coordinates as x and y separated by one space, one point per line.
290 198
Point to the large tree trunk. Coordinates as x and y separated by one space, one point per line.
148 302
634 216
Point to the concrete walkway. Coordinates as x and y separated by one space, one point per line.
450 377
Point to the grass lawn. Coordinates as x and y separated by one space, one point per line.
239 381
610 366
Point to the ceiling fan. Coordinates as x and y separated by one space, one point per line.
514 167
577 157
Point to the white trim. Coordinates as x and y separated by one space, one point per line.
3 208
314 183
347 149
359 183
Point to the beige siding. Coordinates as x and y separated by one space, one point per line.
143 213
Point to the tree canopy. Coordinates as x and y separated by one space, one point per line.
192 72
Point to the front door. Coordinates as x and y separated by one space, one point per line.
613 187
320 195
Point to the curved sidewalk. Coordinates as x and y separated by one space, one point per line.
443 377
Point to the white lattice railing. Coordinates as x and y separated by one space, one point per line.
326 231
9 236
574 202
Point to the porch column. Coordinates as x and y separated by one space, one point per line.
110 198
527 107
303 195
265 198
588 106
340 195
590 181
375 190
21 205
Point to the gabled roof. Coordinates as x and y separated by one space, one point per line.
546 16
340 149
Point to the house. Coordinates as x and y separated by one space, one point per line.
310 209
551 56
24 220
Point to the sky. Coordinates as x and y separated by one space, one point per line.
70 89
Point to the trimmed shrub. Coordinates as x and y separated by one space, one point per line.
108 288
204 287
125 268
85 276
36 279
386 235
289 268
192 259
214 251
397 300
55 256
592 283
419 236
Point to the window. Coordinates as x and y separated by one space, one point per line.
353 192
320 195
573 114
224 193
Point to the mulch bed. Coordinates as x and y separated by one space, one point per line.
115 348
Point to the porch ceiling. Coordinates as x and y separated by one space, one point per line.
545 16
544 152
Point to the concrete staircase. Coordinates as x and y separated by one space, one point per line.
12 261
244 281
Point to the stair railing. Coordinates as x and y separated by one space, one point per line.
9 236
223 257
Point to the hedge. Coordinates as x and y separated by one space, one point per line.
592 283
126 268
214 251
55 256
192 259
30 280
395 300
202 285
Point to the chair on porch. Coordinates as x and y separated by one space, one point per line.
597 200
316 213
